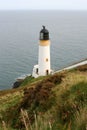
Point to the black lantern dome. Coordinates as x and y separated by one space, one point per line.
44 34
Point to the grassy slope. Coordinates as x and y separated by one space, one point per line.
11 97
61 102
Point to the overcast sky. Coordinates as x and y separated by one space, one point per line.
44 4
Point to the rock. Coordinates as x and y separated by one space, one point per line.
17 83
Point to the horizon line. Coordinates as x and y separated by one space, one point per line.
43 9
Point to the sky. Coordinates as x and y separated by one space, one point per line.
43 4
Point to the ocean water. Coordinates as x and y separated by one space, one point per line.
19 37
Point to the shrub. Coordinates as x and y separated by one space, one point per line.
40 98
82 68
56 78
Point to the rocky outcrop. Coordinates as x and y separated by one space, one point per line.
17 83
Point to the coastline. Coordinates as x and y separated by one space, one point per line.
20 79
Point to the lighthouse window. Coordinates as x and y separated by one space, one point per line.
41 36
47 72
46 59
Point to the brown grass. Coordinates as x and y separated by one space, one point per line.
82 68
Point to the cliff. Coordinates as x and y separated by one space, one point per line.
55 102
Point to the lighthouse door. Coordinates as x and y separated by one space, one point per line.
47 72
36 70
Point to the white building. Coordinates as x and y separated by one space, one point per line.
43 68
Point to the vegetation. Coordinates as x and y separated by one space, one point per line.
56 102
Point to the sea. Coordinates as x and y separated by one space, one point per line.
19 38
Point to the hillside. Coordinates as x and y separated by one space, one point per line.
56 102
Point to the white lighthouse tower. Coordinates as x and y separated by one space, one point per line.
43 68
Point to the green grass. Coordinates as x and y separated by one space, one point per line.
31 80
58 101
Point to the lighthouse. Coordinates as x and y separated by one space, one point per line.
44 66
